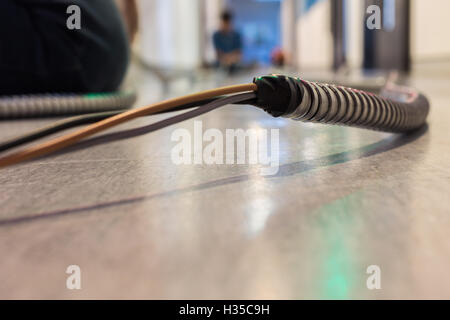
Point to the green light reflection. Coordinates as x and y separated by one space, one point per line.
337 266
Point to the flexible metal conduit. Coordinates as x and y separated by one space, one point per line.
32 106
396 109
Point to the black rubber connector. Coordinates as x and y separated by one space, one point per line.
277 94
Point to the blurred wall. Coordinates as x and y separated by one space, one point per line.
355 30
290 11
430 22
177 33
211 10
170 34
307 35
314 39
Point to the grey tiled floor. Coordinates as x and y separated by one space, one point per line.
141 227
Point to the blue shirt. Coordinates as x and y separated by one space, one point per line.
227 42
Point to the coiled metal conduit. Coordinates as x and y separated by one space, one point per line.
396 109
30 106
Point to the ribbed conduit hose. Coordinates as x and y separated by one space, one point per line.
397 109
31 106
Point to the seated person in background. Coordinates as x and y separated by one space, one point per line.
228 43
39 54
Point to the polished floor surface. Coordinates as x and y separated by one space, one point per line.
140 226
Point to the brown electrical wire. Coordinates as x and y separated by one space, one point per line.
71 138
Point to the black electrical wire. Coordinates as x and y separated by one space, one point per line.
135 132
82 120
216 103
54 128
233 99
